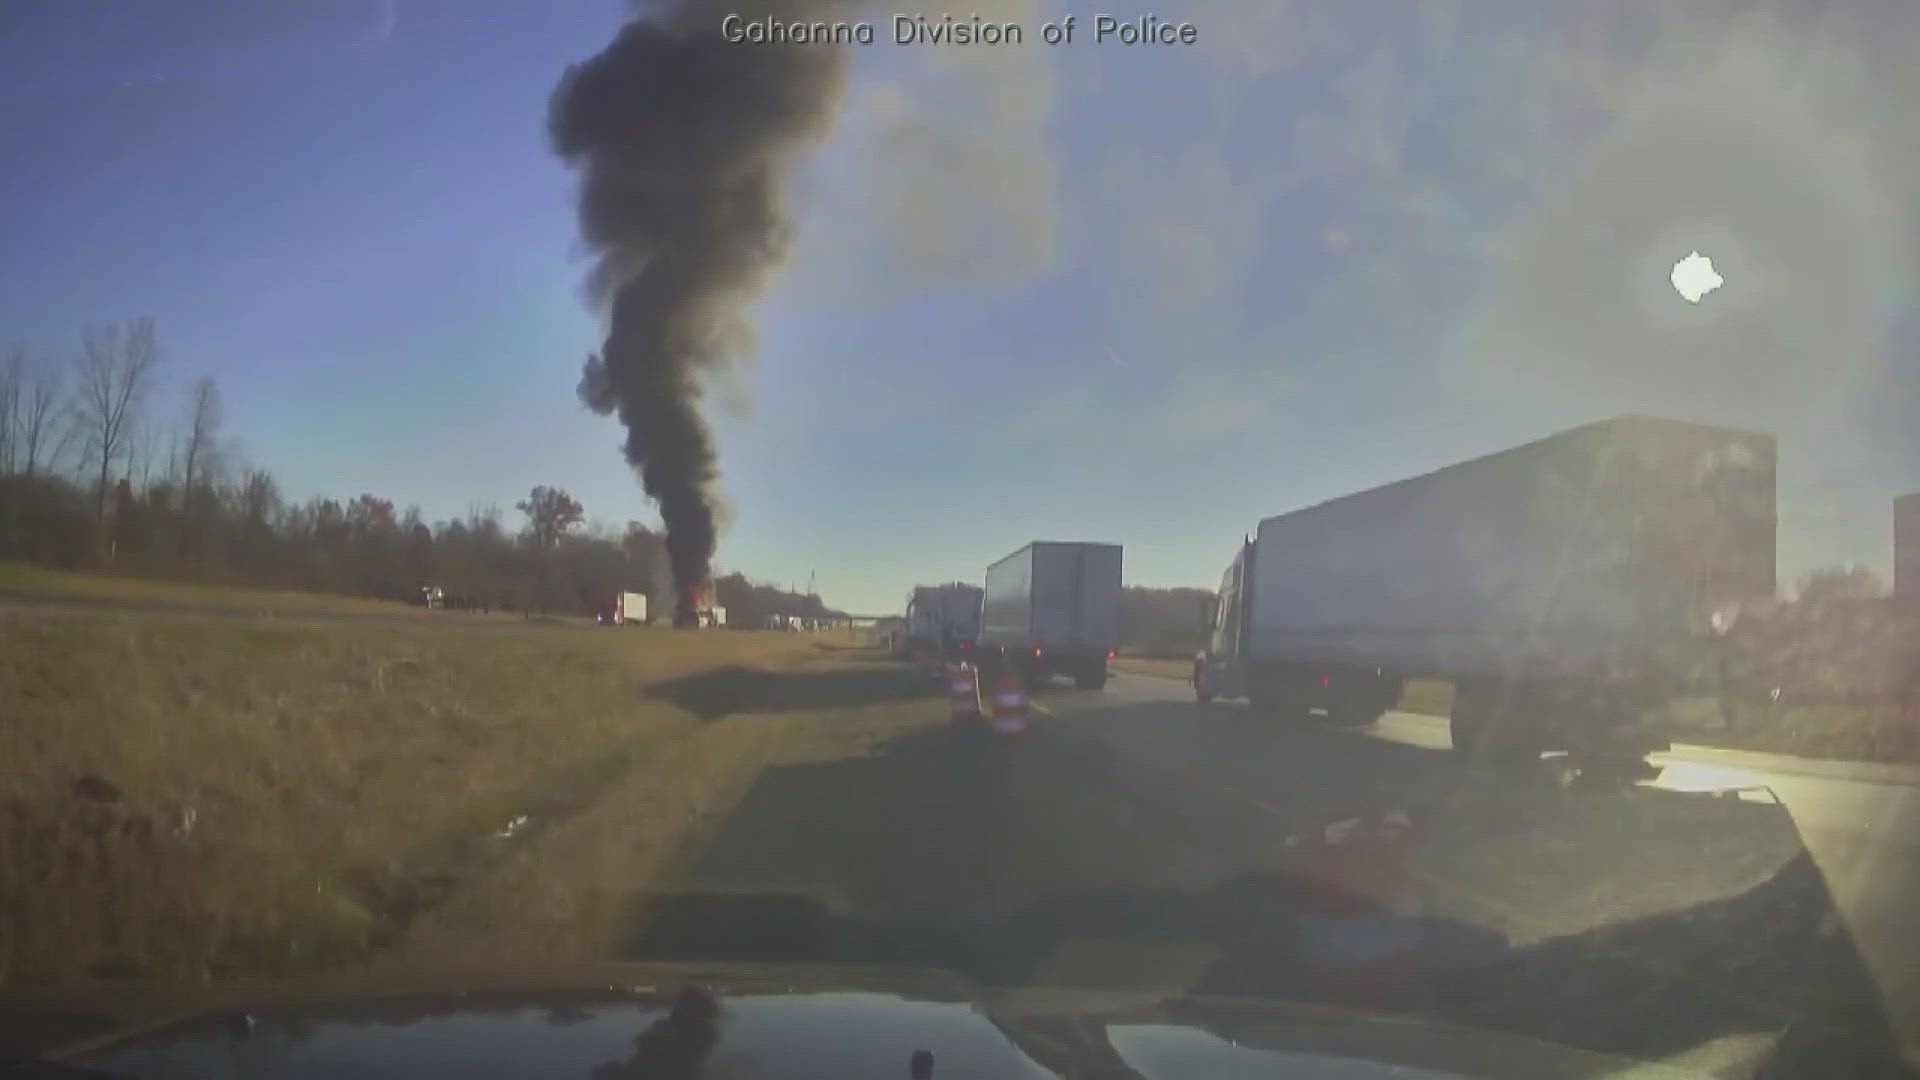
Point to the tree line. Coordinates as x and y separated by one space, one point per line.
99 471
1163 622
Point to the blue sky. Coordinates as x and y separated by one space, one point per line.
1139 295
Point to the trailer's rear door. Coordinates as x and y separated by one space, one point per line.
1056 594
1099 605
1076 594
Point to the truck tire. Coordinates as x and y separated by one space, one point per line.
1614 770
1358 710
1463 730
1276 703
1487 734
1357 714
1200 692
1506 751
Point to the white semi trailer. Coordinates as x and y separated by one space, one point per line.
627 608
1566 587
1053 608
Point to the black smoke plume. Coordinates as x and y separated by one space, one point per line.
682 140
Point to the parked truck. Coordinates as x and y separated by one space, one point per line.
1566 587
943 620
706 617
1053 608
625 608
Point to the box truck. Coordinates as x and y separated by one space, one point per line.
1053 608
1566 587
625 607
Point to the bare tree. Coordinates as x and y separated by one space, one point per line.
116 362
551 514
370 516
204 416
142 448
13 374
1848 582
483 522
259 498
39 413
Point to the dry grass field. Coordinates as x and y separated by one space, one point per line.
20 580
190 795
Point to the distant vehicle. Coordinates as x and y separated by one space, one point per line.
713 617
432 596
943 620
1567 587
625 608
1053 608
890 633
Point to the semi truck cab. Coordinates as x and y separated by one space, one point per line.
1228 667
943 620
1214 673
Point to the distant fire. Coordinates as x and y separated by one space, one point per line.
692 602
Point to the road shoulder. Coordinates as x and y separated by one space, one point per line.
1423 729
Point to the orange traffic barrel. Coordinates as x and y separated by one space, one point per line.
963 692
1009 703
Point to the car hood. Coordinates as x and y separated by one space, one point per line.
609 1022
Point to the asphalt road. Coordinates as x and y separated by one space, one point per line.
1130 839
1858 824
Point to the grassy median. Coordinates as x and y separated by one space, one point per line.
188 796
37 582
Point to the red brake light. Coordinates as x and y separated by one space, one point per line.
1326 680
1109 654
966 645
1036 650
